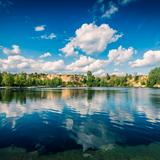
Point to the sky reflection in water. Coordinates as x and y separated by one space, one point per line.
57 120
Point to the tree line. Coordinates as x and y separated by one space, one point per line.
26 80
35 79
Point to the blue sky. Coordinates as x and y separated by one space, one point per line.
104 36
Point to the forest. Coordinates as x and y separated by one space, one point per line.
89 80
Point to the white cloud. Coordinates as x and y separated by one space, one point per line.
84 64
100 73
69 49
14 51
19 63
107 10
90 39
45 55
149 58
48 37
118 72
53 66
124 2
40 28
45 37
112 10
120 55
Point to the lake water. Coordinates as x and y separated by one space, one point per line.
57 120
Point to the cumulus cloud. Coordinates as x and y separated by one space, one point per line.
40 28
48 37
150 58
16 63
19 63
120 55
90 39
112 10
14 51
84 64
99 66
45 55
69 49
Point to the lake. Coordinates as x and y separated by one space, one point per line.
87 119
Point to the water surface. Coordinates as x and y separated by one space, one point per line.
56 120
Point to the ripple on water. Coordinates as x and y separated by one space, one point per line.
78 118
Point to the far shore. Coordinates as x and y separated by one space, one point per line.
76 87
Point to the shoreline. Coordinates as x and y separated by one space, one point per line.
85 87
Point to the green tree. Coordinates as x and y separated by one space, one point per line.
129 76
30 81
108 76
103 83
154 77
20 80
55 82
7 79
123 81
136 77
0 78
90 79
97 82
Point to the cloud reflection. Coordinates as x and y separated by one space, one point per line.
90 116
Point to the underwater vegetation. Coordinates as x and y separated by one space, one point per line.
107 152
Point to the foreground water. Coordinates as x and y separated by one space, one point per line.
82 122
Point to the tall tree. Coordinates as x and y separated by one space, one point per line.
7 79
90 79
154 77
20 79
